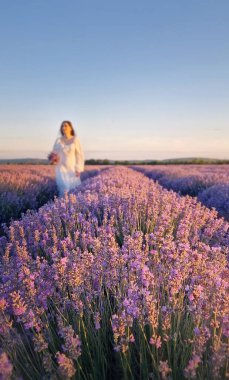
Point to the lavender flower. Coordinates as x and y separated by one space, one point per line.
6 367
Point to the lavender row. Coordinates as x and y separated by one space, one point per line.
28 187
120 280
210 183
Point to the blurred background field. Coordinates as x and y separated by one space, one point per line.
209 183
24 187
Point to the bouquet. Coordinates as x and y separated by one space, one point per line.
53 158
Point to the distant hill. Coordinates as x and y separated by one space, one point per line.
195 160
169 161
24 161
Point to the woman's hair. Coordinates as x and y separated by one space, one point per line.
70 124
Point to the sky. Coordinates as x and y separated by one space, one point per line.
138 79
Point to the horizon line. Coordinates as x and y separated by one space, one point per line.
123 159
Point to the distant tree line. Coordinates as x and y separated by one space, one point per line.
180 161
92 161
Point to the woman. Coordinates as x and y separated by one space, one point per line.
68 156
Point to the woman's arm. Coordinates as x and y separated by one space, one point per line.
79 154
54 157
55 148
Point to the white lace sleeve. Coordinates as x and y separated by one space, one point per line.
79 156
56 146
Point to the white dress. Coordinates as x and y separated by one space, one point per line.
71 160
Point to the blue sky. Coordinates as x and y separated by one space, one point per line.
138 80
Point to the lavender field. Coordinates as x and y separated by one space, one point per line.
120 279
24 187
209 183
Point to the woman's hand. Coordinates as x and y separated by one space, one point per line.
53 158
77 173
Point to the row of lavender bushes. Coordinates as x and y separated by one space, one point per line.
209 183
120 280
24 187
